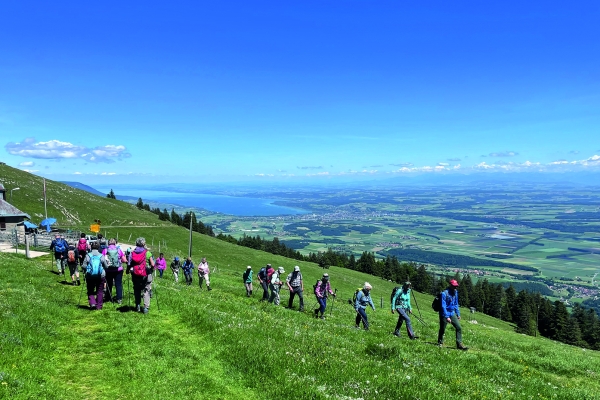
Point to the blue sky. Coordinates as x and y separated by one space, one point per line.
270 90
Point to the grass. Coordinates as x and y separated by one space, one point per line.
222 345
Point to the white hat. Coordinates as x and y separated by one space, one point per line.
281 270
367 285
296 269
248 267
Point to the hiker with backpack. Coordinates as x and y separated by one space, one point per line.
114 272
263 278
188 267
161 264
400 301
102 242
203 272
142 265
275 285
82 248
94 265
363 298
73 263
175 265
449 312
296 285
247 278
322 291
60 247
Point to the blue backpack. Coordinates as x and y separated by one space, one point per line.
94 267
59 246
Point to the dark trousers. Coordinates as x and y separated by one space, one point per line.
361 315
265 288
455 323
296 291
82 254
188 277
403 316
322 304
95 290
115 278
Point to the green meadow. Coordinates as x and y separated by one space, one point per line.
222 345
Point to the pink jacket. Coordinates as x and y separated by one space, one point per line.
161 263
203 268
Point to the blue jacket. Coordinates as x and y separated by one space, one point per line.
449 304
187 267
362 300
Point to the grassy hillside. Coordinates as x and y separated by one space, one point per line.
72 208
222 345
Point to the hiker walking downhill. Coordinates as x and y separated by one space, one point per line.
203 273
363 297
175 265
114 272
60 247
142 266
82 248
247 278
161 264
275 285
296 285
188 267
94 265
263 278
450 313
322 291
401 304
73 264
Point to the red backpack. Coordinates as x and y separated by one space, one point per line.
138 260
82 246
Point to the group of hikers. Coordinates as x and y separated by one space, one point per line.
102 262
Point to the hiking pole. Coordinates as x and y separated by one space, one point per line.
419 319
365 323
156 294
416 304
333 301
81 292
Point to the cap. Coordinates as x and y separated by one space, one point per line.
281 270
268 265
326 275
248 267
176 258
296 268
453 283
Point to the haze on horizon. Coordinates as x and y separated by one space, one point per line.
269 91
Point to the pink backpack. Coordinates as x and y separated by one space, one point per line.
82 245
138 260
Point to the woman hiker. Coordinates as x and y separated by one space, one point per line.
322 290
363 297
161 264
401 304
247 278
203 272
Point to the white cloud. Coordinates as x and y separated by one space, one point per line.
57 150
27 164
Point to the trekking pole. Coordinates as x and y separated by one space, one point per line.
128 293
365 323
81 292
416 304
156 294
333 301
419 319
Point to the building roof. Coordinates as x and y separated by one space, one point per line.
8 210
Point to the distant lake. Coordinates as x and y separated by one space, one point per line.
240 206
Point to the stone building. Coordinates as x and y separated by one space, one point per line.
10 216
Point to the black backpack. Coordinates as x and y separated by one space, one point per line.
262 274
437 303
394 291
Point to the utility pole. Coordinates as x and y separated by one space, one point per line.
190 246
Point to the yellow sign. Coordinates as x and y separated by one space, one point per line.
95 228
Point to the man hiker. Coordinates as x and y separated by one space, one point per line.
263 278
60 247
94 265
114 272
188 267
322 291
363 297
296 285
450 313
175 265
203 272
247 278
401 304
142 264
275 285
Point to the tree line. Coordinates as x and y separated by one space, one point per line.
178 219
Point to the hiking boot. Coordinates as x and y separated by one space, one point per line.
208 287
322 317
461 346
301 309
137 308
356 327
119 301
92 306
317 313
440 344
414 337
78 282
397 333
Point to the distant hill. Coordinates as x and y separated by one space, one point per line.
89 189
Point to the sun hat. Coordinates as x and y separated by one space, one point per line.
281 270
248 267
296 269
367 285
326 275
453 283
